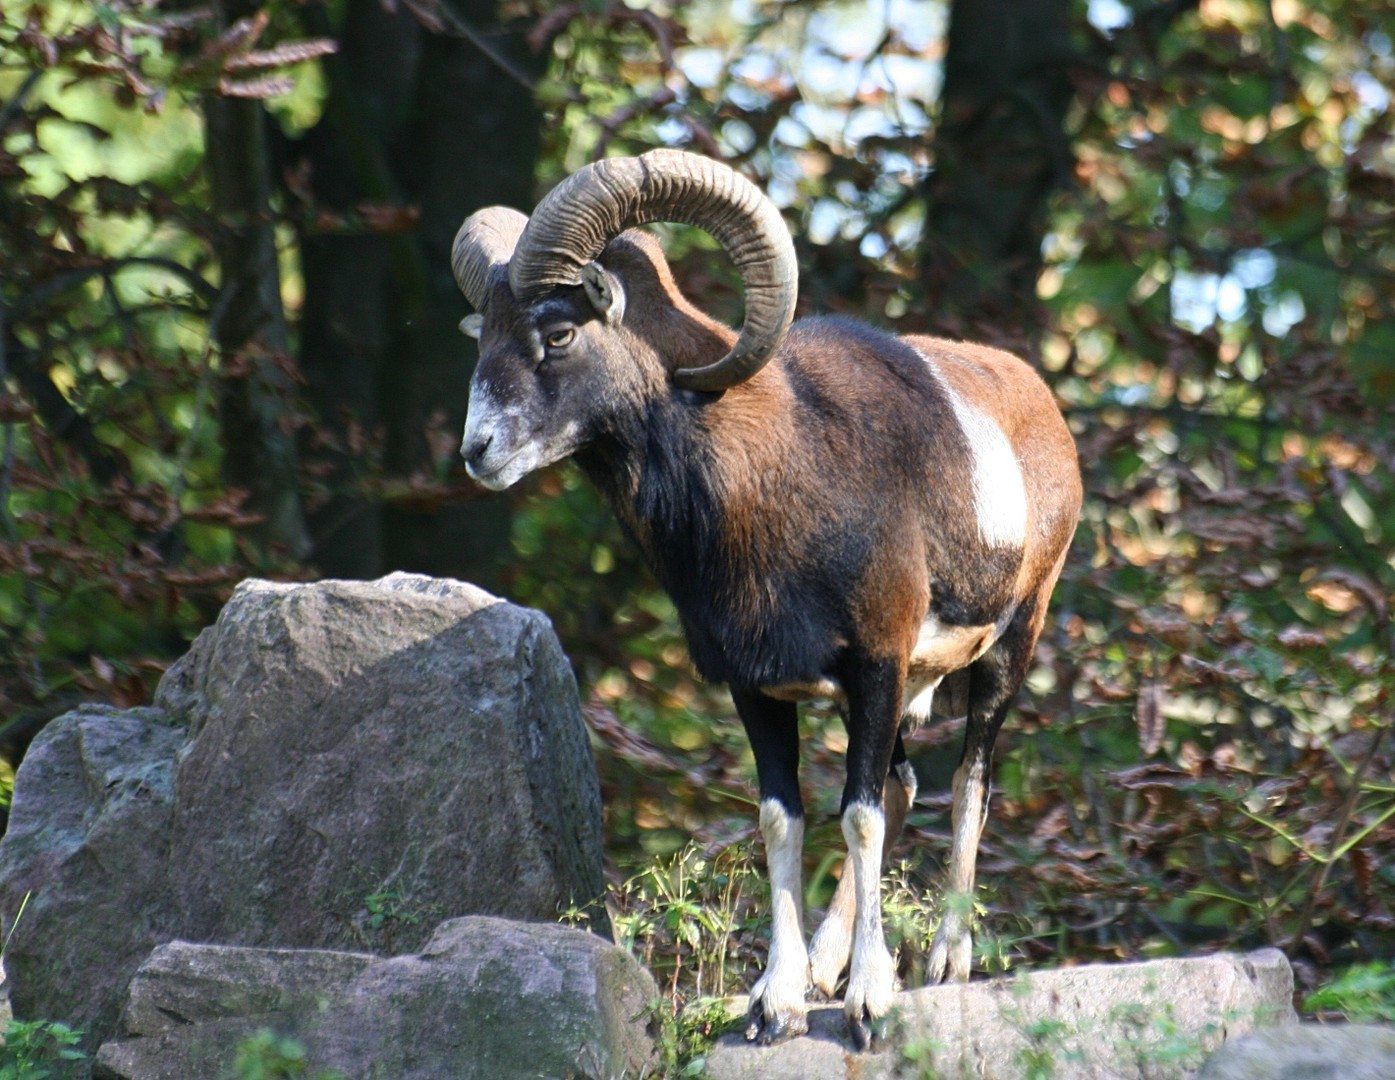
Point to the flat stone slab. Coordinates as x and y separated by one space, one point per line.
485 999
1307 1052
1144 1021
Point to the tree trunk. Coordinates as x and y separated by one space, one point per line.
1000 149
413 119
249 323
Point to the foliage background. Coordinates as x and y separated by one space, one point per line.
227 347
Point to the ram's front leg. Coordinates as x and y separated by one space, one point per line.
777 1007
831 947
874 706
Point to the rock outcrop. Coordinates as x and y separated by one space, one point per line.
339 765
1138 1021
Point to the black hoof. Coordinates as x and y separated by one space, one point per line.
866 1034
767 1031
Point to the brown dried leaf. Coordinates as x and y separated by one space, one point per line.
260 89
1299 637
1345 588
289 52
239 37
1148 715
1052 825
1169 625
1362 865
1064 873
388 219
1146 776
103 670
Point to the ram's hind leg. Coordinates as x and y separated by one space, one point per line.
777 1006
994 680
832 945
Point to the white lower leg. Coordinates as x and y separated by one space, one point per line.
951 953
832 945
871 977
777 1006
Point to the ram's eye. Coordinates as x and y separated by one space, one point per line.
560 339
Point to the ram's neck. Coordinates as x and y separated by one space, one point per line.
654 468
695 481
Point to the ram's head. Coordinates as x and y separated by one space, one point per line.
578 318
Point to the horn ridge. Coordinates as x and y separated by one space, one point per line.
573 224
484 243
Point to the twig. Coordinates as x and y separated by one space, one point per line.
16 103
60 283
460 28
1266 909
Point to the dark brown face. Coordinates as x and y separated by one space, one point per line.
543 386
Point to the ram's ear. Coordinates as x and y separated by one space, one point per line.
472 325
605 291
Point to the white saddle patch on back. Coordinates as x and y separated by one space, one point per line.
1000 497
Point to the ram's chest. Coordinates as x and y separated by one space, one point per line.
754 631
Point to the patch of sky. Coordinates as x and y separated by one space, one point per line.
826 220
873 246
790 132
738 136
851 30
1254 268
920 23
1231 304
1108 15
901 168
747 97
1283 314
758 67
701 66
827 76
1372 95
782 191
913 78
1179 174
1194 298
1129 396
673 132
826 124
1200 299
786 174
868 123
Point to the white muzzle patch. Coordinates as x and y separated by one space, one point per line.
501 446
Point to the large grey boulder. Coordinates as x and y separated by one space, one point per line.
1144 1021
1307 1052
485 998
337 765
85 857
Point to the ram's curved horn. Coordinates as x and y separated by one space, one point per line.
573 224
484 241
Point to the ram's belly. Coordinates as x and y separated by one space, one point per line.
940 651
